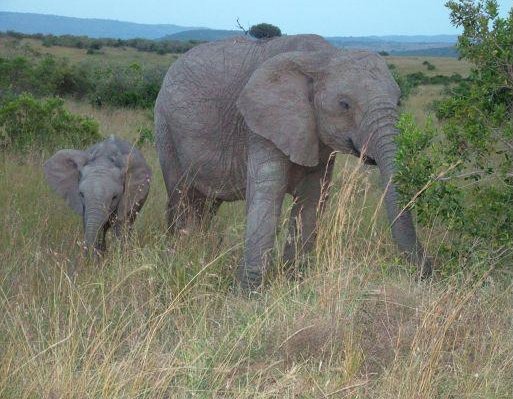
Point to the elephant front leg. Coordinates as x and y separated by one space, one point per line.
266 187
309 198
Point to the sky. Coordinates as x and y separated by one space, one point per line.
324 17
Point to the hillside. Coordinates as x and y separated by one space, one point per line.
389 44
58 25
203 34
430 52
417 45
436 46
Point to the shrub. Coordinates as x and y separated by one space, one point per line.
93 45
145 136
460 174
404 84
28 123
50 76
127 86
130 86
412 80
16 74
264 31
429 66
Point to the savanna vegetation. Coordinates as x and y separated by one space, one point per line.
160 319
460 172
93 46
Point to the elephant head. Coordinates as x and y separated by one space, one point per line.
346 100
106 185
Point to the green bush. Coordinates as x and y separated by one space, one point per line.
429 66
145 136
460 175
412 80
47 77
404 84
264 31
29 123
16 75
127 86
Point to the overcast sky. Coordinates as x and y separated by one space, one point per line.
325 17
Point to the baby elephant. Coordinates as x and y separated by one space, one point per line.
107 185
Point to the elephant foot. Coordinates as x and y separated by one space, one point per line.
249 279
295 265
424 264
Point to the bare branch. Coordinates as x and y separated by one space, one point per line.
241 27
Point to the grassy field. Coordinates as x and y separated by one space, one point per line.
160 319
443 65
122 55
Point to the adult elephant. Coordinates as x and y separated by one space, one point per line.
242 119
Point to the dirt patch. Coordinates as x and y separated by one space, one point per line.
314 338
380 329
385 325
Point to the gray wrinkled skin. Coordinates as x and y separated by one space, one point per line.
107 185
241 119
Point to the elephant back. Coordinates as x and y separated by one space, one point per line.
285 44
217 71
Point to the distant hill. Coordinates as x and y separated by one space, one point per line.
440 45
204 34
375 43
96 28
451 39
430 52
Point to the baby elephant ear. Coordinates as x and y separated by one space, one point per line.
277 104
137 185
62 173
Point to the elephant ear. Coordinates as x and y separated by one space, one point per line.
62 173
137 184
277 104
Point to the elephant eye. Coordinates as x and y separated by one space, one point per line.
81 194
344 105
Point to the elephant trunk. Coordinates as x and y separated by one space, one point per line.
383 148
95 218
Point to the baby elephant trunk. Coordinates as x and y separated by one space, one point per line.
95 218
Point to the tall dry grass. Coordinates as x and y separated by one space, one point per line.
160 319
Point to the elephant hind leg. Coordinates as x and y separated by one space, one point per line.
188 208
310 197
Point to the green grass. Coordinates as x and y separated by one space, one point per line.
443 65
160 318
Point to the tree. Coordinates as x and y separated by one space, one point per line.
461 173
264 31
